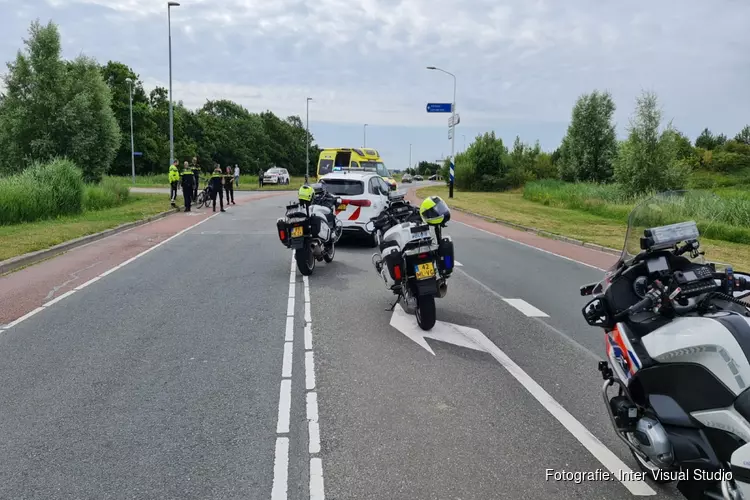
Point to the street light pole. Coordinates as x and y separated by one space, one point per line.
171 119
132 147
364 144
307 139
453 131
409 155
464 143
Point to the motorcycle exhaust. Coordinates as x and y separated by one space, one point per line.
317 248
442 289
607 384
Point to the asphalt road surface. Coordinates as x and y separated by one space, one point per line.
208 368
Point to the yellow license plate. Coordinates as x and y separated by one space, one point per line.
426 270
297 231
342 207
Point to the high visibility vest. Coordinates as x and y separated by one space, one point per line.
174 174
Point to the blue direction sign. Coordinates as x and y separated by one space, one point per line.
439 107
137 153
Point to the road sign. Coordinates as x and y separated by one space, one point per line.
137 153
458 120
439 107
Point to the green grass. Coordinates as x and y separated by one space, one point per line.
584 225
247 182
19 239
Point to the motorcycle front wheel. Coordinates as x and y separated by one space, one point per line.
426 312
305 260
328 254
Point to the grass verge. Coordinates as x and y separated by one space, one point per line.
577 224
19 239
247 183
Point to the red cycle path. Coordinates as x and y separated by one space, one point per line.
29 288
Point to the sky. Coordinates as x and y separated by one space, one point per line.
519 64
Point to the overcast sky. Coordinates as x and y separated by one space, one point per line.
520 64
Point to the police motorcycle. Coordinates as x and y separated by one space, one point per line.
310 227
677 336
414 264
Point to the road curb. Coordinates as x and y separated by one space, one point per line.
539 232
14 263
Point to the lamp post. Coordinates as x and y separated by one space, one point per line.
409 155
464 143
364 143
129 81
171 120
307 139
453 130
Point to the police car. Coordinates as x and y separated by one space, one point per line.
364 195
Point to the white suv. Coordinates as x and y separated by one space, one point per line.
276 176
364 195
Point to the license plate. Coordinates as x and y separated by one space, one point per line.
342 207
297 231
424 271
420 236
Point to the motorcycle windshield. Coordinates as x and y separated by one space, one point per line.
677 210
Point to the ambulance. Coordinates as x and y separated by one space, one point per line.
335 159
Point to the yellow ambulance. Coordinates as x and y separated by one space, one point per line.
334 159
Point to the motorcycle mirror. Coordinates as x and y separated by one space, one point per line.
370 226
595 313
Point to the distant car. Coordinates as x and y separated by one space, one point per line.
418 178
276 176
432 178
406 178
364 195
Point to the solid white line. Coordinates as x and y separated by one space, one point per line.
305 281
292 286
289 332
581 433
314 431
532 246
307 294
526 308
309 371
308 317
24 317
285 406
286 363
308 337
290 307
292 278
59 298
84 285
458 264
317 490
280 469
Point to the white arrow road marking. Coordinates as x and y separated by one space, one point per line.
444 332
474 339
458 264
526 308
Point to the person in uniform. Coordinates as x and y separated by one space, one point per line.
187 185
197 174
217 187
174 181
229 186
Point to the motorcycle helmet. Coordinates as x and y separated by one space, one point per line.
305 194
434 211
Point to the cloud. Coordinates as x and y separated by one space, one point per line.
364 60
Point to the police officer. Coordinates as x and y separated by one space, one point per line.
197 173
217 188
229 186
187 185
174 181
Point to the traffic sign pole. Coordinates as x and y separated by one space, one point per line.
453 140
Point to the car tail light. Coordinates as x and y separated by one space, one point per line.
357 203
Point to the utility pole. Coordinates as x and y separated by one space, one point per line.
171 118
307 139
453 131
132 147
364 143
409 155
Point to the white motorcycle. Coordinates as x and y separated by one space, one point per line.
677 338
413 264
311 229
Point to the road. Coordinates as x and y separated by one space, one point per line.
207 368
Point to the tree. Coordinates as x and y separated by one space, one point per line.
648 159
709 141
744 135
590 144
427 168
56 108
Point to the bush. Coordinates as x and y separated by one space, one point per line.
109 193
41 191
724 161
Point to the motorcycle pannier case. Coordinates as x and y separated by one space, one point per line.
446 256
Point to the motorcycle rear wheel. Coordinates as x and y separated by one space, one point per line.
305 260
426 312
328 254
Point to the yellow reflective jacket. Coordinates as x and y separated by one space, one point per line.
174 174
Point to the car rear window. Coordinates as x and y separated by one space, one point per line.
343 187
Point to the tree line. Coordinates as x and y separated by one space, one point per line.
80 110
654 155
